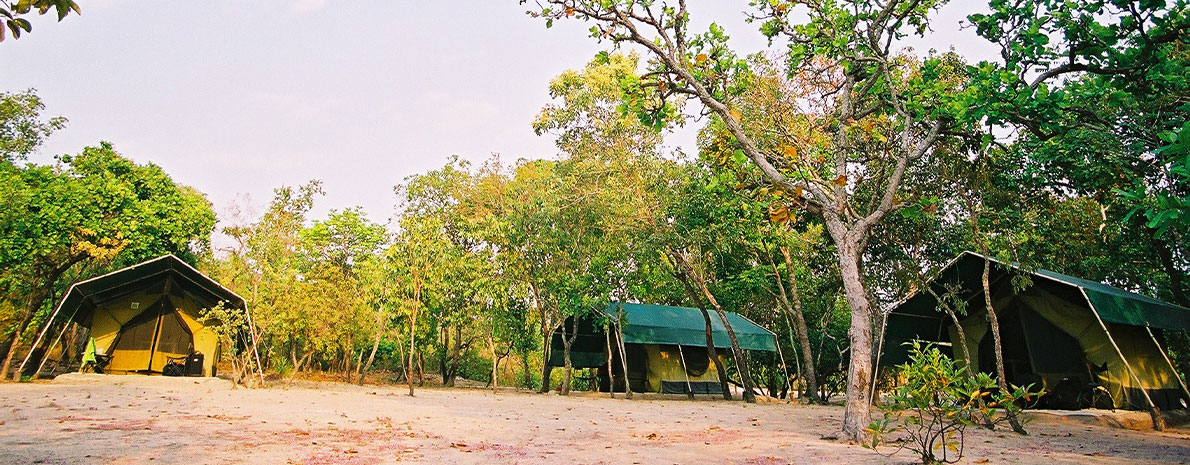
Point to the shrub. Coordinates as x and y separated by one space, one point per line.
936 403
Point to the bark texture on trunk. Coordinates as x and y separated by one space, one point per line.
809 374
994 322
857 415
713 353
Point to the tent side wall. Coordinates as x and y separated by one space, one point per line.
1134 343
665 365
108 319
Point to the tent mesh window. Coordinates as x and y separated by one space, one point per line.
139 336
174 337
697 361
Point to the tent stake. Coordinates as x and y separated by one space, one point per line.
686 373
1176 375
1154 412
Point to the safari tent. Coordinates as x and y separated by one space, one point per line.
1087 343
147 318
664 346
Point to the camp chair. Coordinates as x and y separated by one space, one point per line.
174 366
97 365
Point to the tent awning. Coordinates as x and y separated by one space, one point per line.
662 324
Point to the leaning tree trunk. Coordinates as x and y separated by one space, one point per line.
809 374
741 358
375 345
995 325
706 318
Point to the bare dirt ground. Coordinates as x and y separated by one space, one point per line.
130 419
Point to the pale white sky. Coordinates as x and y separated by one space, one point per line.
238 97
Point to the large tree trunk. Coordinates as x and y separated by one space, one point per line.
857 415
457 353
809 374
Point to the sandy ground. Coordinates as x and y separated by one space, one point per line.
131 419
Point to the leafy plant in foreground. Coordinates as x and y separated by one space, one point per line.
937 401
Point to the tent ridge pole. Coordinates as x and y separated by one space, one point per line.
1154 412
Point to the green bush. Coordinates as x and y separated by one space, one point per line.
936 403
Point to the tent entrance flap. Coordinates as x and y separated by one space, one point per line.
148 341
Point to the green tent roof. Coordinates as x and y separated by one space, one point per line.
152 275
1113 305
662 324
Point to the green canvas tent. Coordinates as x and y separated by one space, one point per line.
1087 343
146 316
665 346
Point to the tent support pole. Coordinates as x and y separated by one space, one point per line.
879 352
1176 375
58 339
686 373
785 369
1154 412
41 335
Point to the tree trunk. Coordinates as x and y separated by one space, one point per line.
809 374
857 415
623 355
527 379
1175 274
547 330
567 343
412 333
495 363
611 375
694 297
297 366
456 353
375 345
1001 381
443 358
36 298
